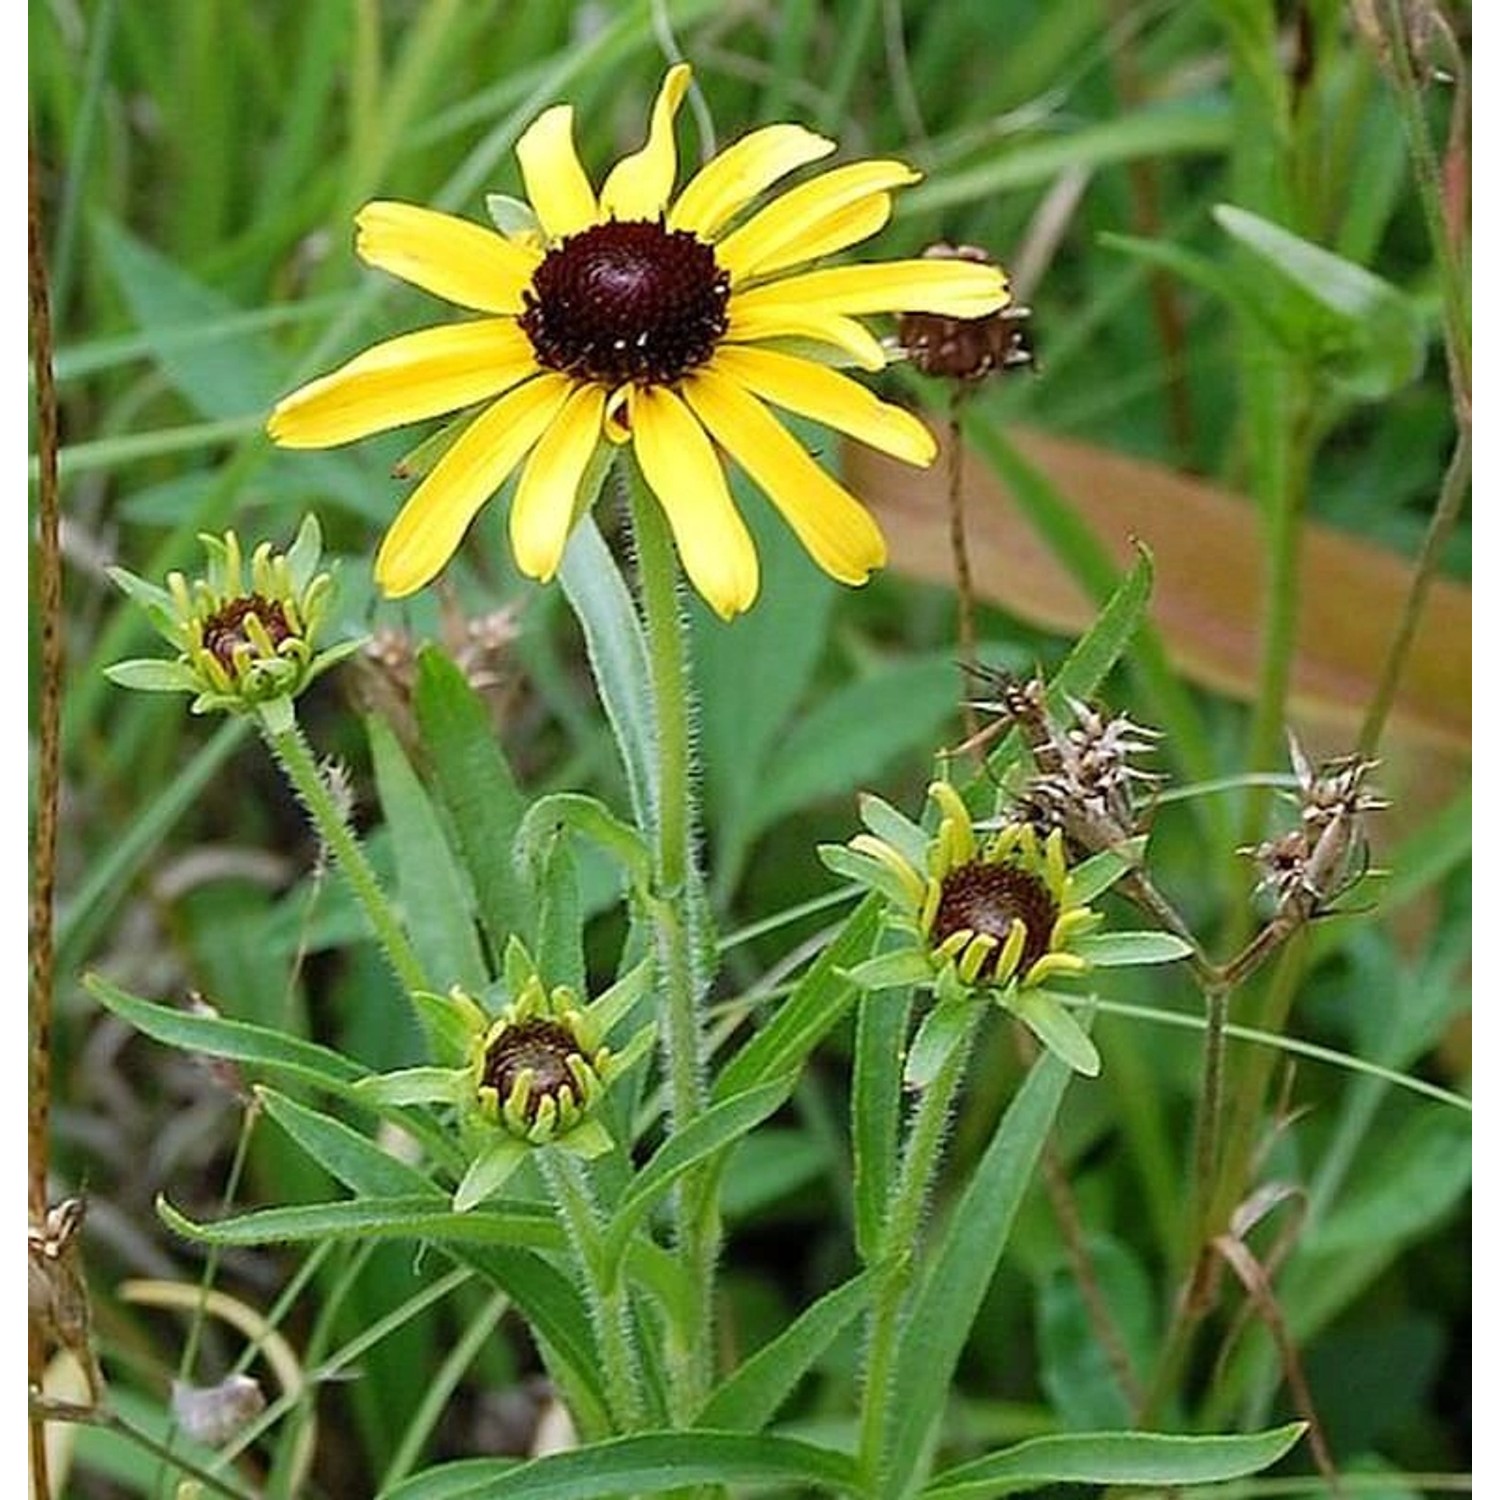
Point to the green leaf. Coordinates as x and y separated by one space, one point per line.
865 870
348 1156
165 301
109 880
1100 871
908 966
875 1112
714 1129
957 1273
1110 636
750 676
413 1086
1105 1458
489 1171
646 1464
1077 1375
153 674
809 1013
1117 950
275 1051
1412 1178
1052 1025
1370 336
438 905
754 1393
476 788
1163 131
617 656
907 838
587 818
943 1028
426 1217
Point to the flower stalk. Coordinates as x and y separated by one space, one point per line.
608 1298
284 739
675 930
920 1162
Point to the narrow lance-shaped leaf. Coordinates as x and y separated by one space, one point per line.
958 1272
476 786
434 891
645 1464
1107 1458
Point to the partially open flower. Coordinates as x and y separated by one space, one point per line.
245 634
533 1076
991 912
537 1072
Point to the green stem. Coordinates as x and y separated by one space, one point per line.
1450 503
919 1167
1452 275
284 739
678 936
609 1303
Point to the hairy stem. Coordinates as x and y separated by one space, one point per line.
897 1257
290 749
609 1303
678 934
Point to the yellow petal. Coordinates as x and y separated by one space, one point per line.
451 258
432 522
952 288
406 379
773 236
640 184
795 321
542 514
839 533
684 473
823 395
557 187
837 232
741 172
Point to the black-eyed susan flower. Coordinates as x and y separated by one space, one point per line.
245 633
629 316
532 1076
988 912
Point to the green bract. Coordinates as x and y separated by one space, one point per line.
245 634
994 912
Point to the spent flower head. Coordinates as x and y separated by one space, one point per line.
1312 864
989 911
534 1075
245 632
966 349
630 314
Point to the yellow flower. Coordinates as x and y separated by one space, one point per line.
631 316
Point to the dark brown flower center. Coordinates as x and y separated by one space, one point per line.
224 630
541 1046
627 301
988 898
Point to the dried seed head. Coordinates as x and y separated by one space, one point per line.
965 349
1308 867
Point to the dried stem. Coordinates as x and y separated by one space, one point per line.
49 763
963 577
